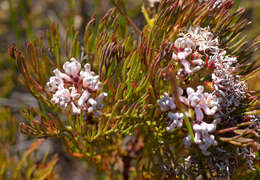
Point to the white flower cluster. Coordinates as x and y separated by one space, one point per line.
200 42
223 61
194 50
202 136
167 104
191 47
75 88
230 87
201 102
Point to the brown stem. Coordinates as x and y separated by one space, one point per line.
222 131
132 148
127 161
133 25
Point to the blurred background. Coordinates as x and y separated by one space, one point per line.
23 20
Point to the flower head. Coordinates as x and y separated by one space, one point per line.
75 88
166 103
192 46
61 97
201 102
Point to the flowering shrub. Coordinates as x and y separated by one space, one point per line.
168 101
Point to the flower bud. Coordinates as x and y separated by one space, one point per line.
72 68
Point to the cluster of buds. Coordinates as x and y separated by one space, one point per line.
75 87
248 155
230 88
221 164
226 85
256 120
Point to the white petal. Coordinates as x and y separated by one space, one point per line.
182 56
196 127
84 97
187 141
200 89
197 137
207 110
190 91
174 56
172 116
184 100
87 67
179 91
90 109
199 114
92 102
75 110
197 68
199 62
62 75
194 100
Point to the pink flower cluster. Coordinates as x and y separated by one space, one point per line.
190 47
202 136
195 50
75 87
200 101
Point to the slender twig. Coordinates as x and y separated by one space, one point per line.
127 18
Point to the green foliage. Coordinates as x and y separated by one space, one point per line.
7 76
16 164
8 126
